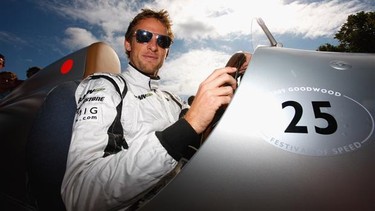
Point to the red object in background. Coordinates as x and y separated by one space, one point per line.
67 66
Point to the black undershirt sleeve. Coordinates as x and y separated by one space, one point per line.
178 138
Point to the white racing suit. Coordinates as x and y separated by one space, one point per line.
156 136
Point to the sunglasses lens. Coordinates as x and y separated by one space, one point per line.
144 36
164 41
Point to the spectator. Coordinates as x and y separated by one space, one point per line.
32 70
8 82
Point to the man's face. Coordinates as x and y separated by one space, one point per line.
147 57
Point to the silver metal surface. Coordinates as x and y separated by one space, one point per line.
258 158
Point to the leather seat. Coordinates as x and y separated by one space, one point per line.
49 137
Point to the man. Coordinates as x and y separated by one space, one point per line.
156 130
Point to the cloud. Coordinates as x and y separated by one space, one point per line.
208 31
309 18
183 74
197 21
78 38
106 19
11 38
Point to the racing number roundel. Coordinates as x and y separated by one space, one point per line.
316 121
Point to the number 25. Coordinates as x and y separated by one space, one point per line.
294 128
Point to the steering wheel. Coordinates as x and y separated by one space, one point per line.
236 60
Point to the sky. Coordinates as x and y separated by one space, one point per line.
207 32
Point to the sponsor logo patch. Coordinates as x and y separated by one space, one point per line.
90 113
90 92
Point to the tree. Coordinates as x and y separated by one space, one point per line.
356 35
329 47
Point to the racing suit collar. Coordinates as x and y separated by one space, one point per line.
142 79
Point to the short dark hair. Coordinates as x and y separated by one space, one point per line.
32 70
8 75
161 15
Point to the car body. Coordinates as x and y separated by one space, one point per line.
298 135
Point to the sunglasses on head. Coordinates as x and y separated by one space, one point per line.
143 36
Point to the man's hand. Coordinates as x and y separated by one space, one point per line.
215 91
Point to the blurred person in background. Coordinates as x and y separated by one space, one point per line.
8 82
32 70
